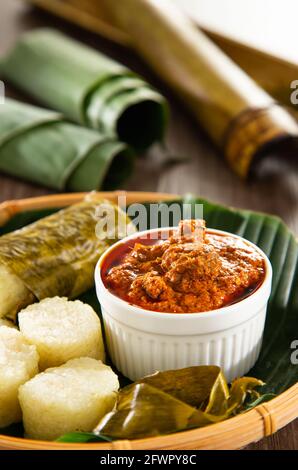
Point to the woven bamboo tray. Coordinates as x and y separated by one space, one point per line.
234 433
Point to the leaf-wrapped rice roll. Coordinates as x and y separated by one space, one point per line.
55 255
87 87
41 146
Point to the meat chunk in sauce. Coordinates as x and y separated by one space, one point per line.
192 271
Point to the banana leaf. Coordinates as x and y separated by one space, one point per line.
239 390
145 409
41 146
80 437
191 385
86 87
274 366
54 256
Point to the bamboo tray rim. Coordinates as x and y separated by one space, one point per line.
234 433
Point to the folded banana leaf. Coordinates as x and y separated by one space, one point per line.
87 87
147 411
41 146
151 406
191 385
55 255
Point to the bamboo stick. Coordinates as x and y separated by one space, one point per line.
238 115
9 209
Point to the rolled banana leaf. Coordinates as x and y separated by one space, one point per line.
41 146
57 254
159 404
86 87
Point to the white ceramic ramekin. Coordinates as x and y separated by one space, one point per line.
141 342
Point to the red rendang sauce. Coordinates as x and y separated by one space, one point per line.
193 270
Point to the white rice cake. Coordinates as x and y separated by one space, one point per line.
18 363
69 398
62 330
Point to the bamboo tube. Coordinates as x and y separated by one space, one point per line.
82 14
270 72
238 115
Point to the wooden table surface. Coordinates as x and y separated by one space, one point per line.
203 171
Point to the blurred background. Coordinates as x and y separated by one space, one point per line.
269 25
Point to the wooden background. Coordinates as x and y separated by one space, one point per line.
202 170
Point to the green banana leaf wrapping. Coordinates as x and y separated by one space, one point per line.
87 87
41 146
174 400
191 385
55 255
